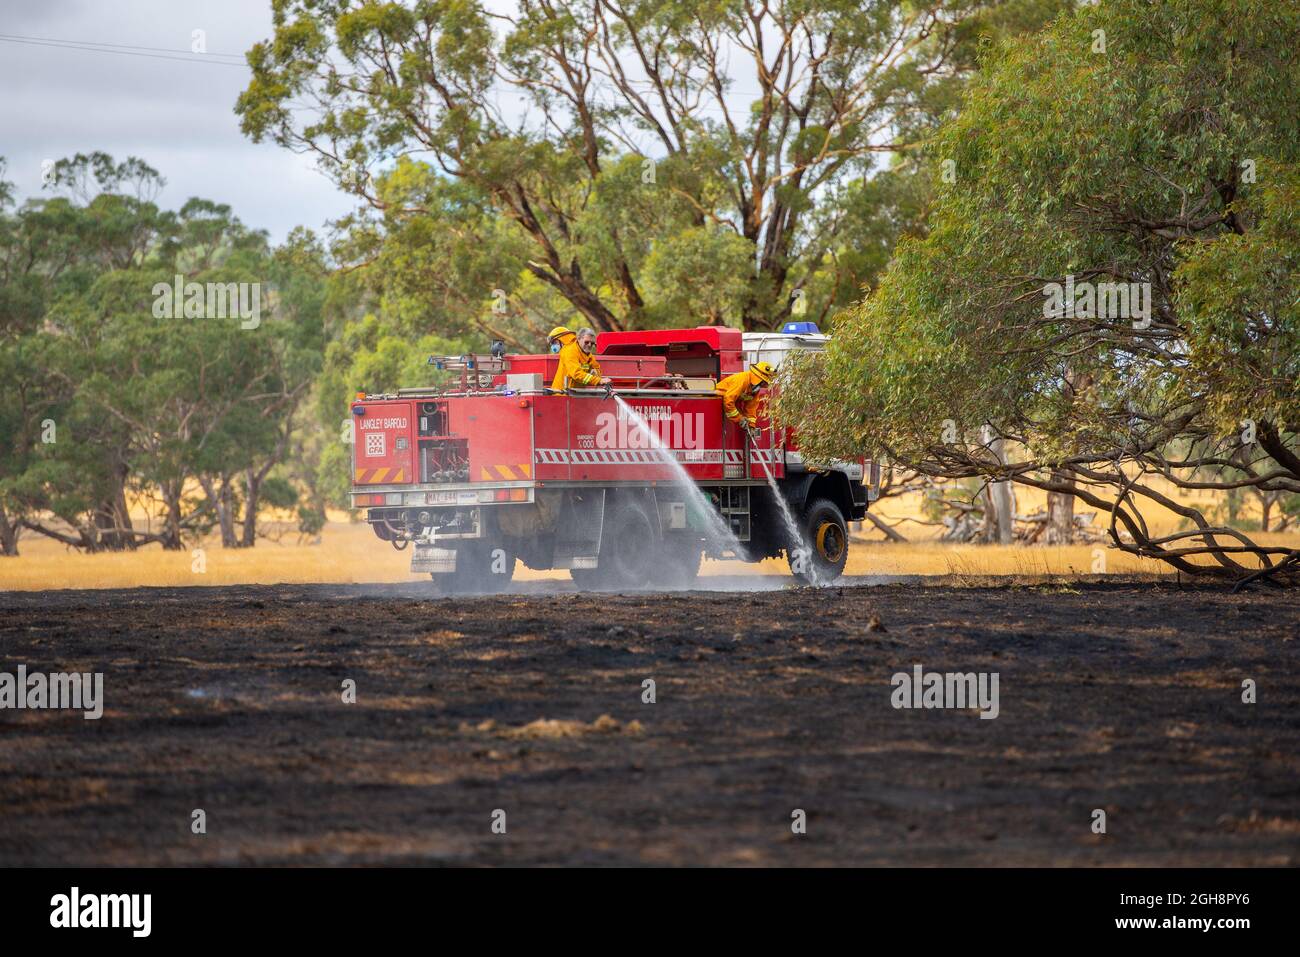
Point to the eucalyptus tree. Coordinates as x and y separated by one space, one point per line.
636 162
1108 285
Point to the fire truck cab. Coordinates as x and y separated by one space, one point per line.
627 487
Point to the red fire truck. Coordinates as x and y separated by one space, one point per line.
496 468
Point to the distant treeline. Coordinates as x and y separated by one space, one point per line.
113 398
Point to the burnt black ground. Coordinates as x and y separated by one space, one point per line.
1125 697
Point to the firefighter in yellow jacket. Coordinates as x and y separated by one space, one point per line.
578 365
740 398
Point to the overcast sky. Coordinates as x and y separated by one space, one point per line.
176 116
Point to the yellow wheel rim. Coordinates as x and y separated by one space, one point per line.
830 541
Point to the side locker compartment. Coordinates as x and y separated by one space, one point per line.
382 443
551 446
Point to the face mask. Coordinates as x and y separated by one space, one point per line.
555 347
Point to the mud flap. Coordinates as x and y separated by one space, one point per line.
577 537
430 558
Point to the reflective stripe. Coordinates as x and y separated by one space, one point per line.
508 473
379 476
630 456
652 456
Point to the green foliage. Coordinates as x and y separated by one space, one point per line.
1169 159
116 398
665 169
1236 295
698 277
1130 171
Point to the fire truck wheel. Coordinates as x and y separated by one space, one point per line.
827 538
627 551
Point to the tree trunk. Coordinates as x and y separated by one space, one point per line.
221 501
171 492
252 493
1006 517
1060 513
254 477
1004 502
226 515
988 529
107 523
112 518
8 535
1271 442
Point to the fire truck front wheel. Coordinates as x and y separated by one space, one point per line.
825 552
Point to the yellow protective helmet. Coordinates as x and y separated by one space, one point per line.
557 332
764 371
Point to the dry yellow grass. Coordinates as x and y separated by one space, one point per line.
937 558
1160 520
925 555
349 552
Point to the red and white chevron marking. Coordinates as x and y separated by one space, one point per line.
651 456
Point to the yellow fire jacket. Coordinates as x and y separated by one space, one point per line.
740 399
577 368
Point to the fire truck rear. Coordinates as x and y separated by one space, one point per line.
497 468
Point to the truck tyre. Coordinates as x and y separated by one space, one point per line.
628 550
825 551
